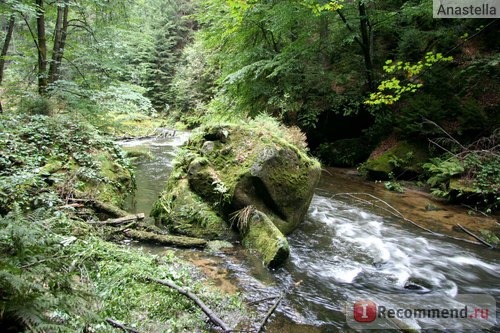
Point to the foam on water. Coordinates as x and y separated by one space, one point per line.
342 245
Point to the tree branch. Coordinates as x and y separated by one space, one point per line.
210 314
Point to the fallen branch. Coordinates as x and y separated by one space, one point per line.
263 300
394 212
99 206
210 314
73 205
475 236
178 241
125 227
269 313
116 324
476 210
121 220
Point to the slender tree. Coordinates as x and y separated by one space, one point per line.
42 48
61 31
5 49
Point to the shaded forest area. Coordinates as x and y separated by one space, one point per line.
358 78
377 85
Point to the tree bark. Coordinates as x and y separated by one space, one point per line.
178 241
42 49
6 43
210 314
5 49
60 33
364 27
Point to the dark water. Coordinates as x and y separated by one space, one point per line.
341 252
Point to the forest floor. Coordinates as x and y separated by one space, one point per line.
59 270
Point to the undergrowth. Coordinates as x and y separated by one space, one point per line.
56 273
58 276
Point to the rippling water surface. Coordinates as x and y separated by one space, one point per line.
341 252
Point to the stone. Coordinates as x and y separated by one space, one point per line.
403 161
226 168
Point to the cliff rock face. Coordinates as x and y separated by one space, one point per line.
253 178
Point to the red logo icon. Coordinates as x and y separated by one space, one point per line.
365 311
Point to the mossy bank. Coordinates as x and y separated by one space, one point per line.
57 271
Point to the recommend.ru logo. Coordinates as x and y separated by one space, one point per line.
386 311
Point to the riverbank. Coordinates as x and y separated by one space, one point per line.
58 271
415 204
342 249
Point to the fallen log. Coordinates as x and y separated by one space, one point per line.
101 207
178 241
120 220
210 314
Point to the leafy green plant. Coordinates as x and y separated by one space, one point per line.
391 90
490 237
394 186
39 286
442 171
399 162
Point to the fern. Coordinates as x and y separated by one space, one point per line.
442 171
35 283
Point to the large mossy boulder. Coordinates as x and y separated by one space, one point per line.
403 161
224 170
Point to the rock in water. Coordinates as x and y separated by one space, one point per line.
259 173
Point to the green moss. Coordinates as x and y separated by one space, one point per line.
183 212
138 153
403 160
52 166
264 237
224 167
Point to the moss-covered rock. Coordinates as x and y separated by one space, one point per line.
185 213
225 168
403 161
262 235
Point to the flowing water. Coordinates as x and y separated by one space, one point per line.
342 251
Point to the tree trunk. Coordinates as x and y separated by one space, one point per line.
170 240
61 30
324 32
5 48
42 49
6 43
364 27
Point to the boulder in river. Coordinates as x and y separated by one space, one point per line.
256 174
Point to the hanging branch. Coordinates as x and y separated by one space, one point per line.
210 314
394 212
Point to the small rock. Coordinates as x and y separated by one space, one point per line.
207 147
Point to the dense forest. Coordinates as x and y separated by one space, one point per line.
379 86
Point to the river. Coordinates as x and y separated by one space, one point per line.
341 252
